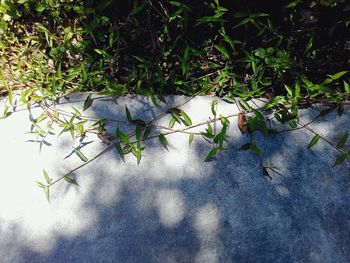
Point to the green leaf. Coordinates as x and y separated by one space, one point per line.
260 52
40 8
175 116
293 4
147 132
338 75
244 104
211 154
341 158
99 51
293 123
71 180
313 141
210 129
120 151
128 114
289 90
139 122
138 133
308 45
207 135
40 118
223 51
190 138
187 119
342 140
214 106
47 193
40 184
138 156
164 141
80 154
346 87
122 136
46 176
87 103
172 122
243 22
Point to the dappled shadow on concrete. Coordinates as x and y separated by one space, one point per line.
176 208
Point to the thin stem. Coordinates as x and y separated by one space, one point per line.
325 139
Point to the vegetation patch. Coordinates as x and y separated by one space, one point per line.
293 53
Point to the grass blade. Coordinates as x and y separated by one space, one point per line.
80 154
47 178
190 138
313 141
128 114
187 119
71 180
164 141
211 154
87 103
342 140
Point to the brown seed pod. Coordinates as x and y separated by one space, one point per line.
242 122
176 110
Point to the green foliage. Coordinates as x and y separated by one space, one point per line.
282 50
57 46
313 141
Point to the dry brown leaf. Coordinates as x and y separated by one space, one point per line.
242 122
176 110
104 137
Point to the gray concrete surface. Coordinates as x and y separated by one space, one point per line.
174 207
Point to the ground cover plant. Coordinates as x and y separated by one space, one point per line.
293 53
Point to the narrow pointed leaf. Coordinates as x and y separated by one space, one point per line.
338 75
341 158
71 180
289 90
147 132
211 154
138 133
164 141
214 105
80 154
293 123
176 116
40 184
128 114
87 103
122 136
190 138
313 141
209 130
47 193
171 122
244 104
342 140
346 87
120 151
47 178
138 156
187 119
